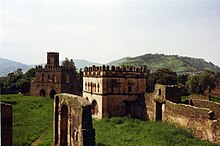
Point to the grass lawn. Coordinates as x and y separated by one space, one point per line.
133 132
33 122
32 116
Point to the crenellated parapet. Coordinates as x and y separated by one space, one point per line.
51 67
117 71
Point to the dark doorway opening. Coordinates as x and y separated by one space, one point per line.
94 108
52 93
64 125
128 107
158 111
42 92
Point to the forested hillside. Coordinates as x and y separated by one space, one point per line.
175 63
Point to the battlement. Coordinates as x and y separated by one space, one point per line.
120 71
51 67
54 53
142 69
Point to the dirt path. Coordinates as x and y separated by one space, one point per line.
41 138
38 141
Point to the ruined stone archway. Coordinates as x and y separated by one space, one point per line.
64 125
94 108
52 93
42 92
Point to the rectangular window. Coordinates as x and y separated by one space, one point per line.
129 88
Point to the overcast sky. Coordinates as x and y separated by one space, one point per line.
106 30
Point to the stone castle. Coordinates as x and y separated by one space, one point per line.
120 91
53 78
112 90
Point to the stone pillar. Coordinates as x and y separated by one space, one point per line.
6 124
72 121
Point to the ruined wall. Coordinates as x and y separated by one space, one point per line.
197 119
201 117
6 124
150 105
214 106
72 121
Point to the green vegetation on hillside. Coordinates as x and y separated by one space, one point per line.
33 122
173 62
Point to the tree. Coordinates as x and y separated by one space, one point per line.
198 83
161 76
16 82
69 63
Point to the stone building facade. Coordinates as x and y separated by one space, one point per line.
54 78
72 121
113 91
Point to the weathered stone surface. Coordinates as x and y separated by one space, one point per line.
72 121
53 78
6 124
201 117
114 91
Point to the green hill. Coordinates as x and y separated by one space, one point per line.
175 63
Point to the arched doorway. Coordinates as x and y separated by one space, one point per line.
64 125
94 107
52 93
42 92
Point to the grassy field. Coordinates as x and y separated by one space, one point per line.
134 132
33 120
32 117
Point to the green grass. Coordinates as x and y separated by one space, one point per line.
130 132
32 116
215 98
33 120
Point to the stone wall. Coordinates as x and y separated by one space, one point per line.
201 117
214 106
197 119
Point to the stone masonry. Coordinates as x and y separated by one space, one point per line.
53 78
201 117
72 121
6 124
113 91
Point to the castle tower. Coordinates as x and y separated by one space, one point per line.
54 78
53 59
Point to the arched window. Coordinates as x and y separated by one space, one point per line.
159 92
98 87
54 78
88 86
94 108
85 85
67 78
42 77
